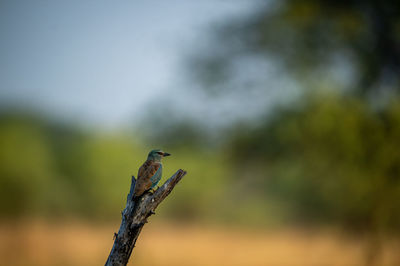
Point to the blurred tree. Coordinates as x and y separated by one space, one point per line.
354 44
333 160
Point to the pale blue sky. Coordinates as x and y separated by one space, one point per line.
100 61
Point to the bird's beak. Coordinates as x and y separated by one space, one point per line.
166 154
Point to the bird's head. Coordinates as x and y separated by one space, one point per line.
157 155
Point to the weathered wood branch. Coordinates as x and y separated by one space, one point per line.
135 216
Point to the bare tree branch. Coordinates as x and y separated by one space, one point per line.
134 217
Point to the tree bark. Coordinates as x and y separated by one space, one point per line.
135 216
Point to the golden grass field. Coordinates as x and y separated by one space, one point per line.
80 243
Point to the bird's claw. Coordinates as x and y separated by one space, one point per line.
154 189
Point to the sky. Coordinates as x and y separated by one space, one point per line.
100 62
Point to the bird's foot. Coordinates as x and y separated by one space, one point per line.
150 191
155 189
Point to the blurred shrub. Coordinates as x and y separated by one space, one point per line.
25 166
332 159
55 170
47 168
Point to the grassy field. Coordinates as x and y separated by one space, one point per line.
76 243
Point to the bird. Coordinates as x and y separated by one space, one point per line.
150 172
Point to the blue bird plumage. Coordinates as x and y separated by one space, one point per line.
150 172
156 177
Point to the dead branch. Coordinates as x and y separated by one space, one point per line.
135 216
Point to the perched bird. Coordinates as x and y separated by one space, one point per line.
150 172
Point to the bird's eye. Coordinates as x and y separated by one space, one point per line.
160 153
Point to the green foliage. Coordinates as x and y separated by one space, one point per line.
25 166
330 159
334 159
58 170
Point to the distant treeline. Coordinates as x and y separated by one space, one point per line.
329 159
54 169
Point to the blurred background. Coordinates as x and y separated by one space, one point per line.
286 115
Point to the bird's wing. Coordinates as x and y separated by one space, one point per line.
157 176
143 168
151 171
146 172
